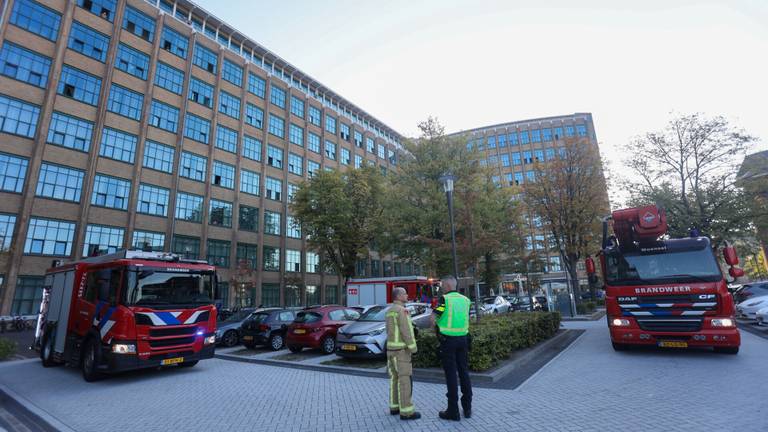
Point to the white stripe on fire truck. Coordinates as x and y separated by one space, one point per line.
104 330
693 313
192 319
154 318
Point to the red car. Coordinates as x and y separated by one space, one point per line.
317 327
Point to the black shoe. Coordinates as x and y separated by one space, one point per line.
467 412
394 411
445 415
415 416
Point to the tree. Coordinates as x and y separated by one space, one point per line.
341 215
689 168
569 195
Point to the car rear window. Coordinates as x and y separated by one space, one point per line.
259 318
307 317
286 316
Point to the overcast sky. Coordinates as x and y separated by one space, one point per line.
476 63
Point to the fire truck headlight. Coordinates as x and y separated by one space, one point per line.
124 349
722 322
620 322
210 340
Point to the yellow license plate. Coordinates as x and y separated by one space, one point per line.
247 337
349 347
673 344
172 361
299 331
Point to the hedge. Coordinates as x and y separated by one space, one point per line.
7 348
494 339
585 308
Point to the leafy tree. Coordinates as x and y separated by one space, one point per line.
341 215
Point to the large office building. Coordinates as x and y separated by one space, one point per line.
153 124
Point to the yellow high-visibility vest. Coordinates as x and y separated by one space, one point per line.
455 320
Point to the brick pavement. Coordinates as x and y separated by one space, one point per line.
589 387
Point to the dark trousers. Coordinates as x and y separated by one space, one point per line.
454 352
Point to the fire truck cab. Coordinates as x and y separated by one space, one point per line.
127 310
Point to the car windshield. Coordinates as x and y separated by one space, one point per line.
238 316
307 317
375 313
681 265
489 300
161 288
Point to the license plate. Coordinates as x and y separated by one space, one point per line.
349 347
172 361
247 337
673 344
299 331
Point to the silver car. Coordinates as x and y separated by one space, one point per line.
496 305
367 337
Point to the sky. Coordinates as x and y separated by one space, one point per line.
633 65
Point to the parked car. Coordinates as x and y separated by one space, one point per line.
754 289
762 317
587 295
496 305
267 327
316 328
228 330
367 337
748 308
523 304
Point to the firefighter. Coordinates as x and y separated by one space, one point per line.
452 320
401 344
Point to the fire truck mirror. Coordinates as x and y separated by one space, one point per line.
729 253
736 272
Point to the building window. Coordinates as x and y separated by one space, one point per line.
370 146
516 160
502 140
218 253
254 116
536 135
546 134
330 124
538 155
375 268
275 157
345 156
164 116
18 118
271 222
200 92
392 156
102 8
204 58
248 218
229 105
250 182
174 42
581 130
569 131
102 239
257 85
24 65
330 150
508 178
36 18
273 188
554 263
232 73
292 227
271 257
7 224
292 260
148 240
528 157
313 262
358 161
139 24
118 145
549 153
59 182
158 156
295 164
220 213
312 168
247 254
169 78
27 296
297 107
277 96
344 132
313 143
530 176
189 207
524 137
251 148
505 160
296 135
70 132
292 189
491 142
518 178
358 139
314 116
382 151
226 139
188 247
276 126
197 128
558 133
223 175
153 200
193 166
125 102
132 62
79 85
270 294
111 192
49 237
512 138
88 42
331 294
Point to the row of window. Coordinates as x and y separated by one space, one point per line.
526 157
527 136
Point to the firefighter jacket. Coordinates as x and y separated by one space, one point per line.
399 328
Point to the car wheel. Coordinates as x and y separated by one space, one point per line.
328 345
230 338
727 350
619 346
189 364
90 361
276 342
295 349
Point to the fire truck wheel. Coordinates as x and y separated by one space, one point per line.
46 352
189 364
230 338
619 346
328 345
90 360
727 350
276 342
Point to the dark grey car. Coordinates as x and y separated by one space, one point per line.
267 327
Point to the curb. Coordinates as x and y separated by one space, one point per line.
596 315
45 421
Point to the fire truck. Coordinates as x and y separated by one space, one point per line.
373 291
662 291
127 310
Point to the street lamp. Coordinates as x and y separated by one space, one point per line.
447 181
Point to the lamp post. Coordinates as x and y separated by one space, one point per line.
447 181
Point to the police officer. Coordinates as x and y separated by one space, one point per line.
452 320
401 343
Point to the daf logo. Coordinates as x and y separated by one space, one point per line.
649 217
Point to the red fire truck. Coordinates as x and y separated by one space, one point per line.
662 291
373 291
127 310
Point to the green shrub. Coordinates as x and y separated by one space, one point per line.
7 348
585 308
494 339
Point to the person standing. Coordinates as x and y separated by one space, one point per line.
401 344
452 320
